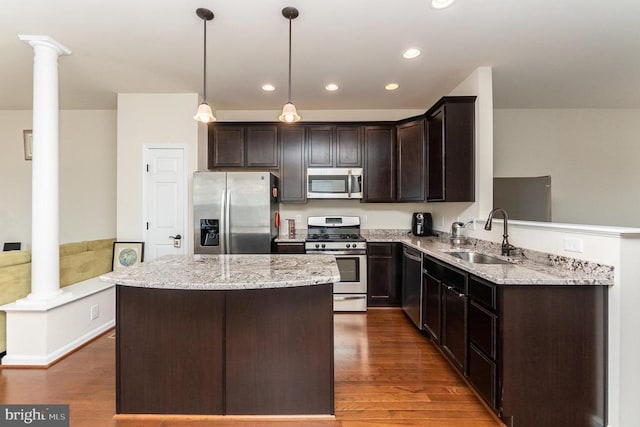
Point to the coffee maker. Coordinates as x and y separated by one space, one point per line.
421 224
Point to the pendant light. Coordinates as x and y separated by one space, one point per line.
204 114
289 113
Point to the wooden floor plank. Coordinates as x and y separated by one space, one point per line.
386 374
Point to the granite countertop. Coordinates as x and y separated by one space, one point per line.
526 268
228 272
299 237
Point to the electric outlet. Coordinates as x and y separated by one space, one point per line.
95 311
442 221
472 226
365 219
299 221
573 245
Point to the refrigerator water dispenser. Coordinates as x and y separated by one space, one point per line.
209 232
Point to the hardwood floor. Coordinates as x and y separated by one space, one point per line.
386 374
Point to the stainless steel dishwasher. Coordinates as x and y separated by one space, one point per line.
412 285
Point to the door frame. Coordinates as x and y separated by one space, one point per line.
186 236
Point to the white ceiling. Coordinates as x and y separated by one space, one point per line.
544 53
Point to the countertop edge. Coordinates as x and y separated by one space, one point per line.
228 272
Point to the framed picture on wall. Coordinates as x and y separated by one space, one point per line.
126 254
28 144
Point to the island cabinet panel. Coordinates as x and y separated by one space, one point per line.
279 351
379 164
156 331
411 161
293 188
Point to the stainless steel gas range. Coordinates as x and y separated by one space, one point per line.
340 236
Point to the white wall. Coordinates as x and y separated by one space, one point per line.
591 154
372 215
87 176
150 119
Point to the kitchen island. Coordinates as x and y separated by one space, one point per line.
225 335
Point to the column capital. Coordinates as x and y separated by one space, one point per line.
45 41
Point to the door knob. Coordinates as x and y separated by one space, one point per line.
177 240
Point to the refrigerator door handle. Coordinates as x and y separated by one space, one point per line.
223 222
227 225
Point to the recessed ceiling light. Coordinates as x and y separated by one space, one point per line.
268 88
392 86
331 87
411 53
441 4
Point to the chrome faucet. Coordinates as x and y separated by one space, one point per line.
506 247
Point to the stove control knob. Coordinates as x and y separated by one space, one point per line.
317 245
348 245
323 245
354 245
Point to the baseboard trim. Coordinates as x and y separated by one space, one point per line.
44 362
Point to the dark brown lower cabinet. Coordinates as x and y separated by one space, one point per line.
279 351
535 353
243 352
454 325
384 274
164 357
431 296
482 374
288 248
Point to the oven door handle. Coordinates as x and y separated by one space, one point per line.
349 298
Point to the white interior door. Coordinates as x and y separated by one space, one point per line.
165 202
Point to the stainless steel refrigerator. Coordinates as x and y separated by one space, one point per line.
234 212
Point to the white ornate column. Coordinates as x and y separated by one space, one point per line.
45 253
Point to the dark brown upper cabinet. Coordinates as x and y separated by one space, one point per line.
243 145
293 188
348 145
320 146
411 160
379 163
226 146
450 150
334 146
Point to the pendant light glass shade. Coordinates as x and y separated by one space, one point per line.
289 113
204 113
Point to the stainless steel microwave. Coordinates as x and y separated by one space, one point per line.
334 183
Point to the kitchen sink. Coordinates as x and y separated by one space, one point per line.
478 258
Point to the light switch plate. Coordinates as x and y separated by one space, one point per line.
573 245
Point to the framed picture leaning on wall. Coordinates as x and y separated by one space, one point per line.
126 254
